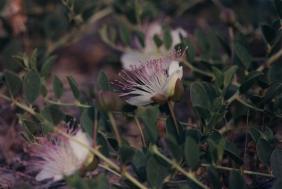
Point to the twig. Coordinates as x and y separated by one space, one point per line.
76 104
114 126
170 106
197 70
271 60
247 172
175 165
141 131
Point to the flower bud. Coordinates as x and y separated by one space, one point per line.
178 90
228 16
108 101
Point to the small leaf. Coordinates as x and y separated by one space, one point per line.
33 59
141 38
103 82
278 6
155 173
14 83
255 134
236 181
157 40
47 66
74 88
31 86
149 117
58 87
53 114
243 54
126 153
274 73
249 81
276 163
269 33
124 34
167 39
192 152
264 150
229 74
87 120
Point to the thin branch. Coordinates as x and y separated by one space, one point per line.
114 127
247 172
175 165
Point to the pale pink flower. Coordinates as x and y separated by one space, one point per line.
134 56
57 155
153 80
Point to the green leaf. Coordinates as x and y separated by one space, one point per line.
255 134
274 73
124 34
47 66
249 81
103 82
233 151
87 120
199 96
243 54
149 117
264 151
126 153
53 114
229 74
276 163
156 173
202 94
13 82
269 33
236 181
58 87
141 38
33 59
139 164
192 152
74 88
31 86
167 39
157 40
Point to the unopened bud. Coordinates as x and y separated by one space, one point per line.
108 101
178 90
228 16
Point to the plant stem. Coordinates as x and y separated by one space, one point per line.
78 104
114 126
175 165
141 131
95 128
199 71
170 106
272 59
247 172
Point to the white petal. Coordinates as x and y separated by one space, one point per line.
45 174
141 100
81 152
175 34
173 67
169 86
